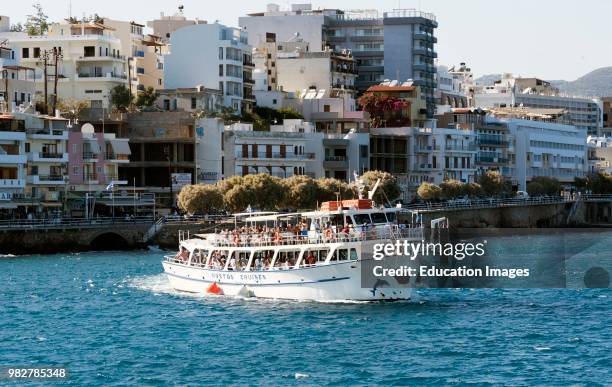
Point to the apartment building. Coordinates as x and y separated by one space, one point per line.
16 81
545 144
161 143
46 147
607 116
280 152
453 85
585 113
167 24
494 143
220 58
393 45
33 161
91 61
326 72
94 159
145 54
13 160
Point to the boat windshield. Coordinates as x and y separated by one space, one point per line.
362 218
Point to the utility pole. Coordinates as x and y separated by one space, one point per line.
45 58
57 55
129 76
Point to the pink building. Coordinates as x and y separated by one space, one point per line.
93 159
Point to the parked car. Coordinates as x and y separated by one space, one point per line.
522 195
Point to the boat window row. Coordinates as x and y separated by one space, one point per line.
264 259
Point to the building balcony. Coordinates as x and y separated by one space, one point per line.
46 134
103 58
117 158
90 156
461 148
90 178
248 64
425 167
108 77
275 156
46 157
335 162
491 160
46 179
495 142
12 183
13 159
426 148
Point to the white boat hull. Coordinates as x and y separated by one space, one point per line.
329 282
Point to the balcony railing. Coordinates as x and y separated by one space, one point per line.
90 176
50 155
114 156
50 177
335 158
90 155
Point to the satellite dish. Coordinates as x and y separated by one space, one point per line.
87 128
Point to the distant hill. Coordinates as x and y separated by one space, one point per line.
487 79
596 83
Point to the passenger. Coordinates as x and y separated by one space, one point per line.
286 264
258 263
310 259
232 263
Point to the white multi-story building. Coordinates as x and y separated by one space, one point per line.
454 87
585 113
219 58
91 61
33 159
145 54
16 81
280 152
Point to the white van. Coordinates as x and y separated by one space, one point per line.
522 195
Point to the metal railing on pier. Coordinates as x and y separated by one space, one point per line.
49 223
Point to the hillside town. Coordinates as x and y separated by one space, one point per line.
98 114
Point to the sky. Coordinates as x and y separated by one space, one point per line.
550 39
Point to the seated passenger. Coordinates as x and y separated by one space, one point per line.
310 259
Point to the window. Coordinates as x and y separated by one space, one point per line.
89 51
326 108
36 52
166 104
220 70
75 170
25 52
274 101
193 102
221 87
27 147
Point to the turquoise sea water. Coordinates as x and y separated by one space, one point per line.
112 319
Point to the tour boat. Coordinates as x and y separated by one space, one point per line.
315 255
321 255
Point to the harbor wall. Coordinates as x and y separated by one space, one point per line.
54 240
544 215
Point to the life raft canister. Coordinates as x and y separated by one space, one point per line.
214 289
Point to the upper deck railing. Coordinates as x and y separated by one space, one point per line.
272 239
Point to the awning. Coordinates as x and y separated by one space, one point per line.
93 144
8 206
121 147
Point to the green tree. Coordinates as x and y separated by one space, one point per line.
331 189
451 189
71 108
428 191
37 23
300 192
473 190
121 98
388 189
17 28
199 198
493 184
147 97
543 185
